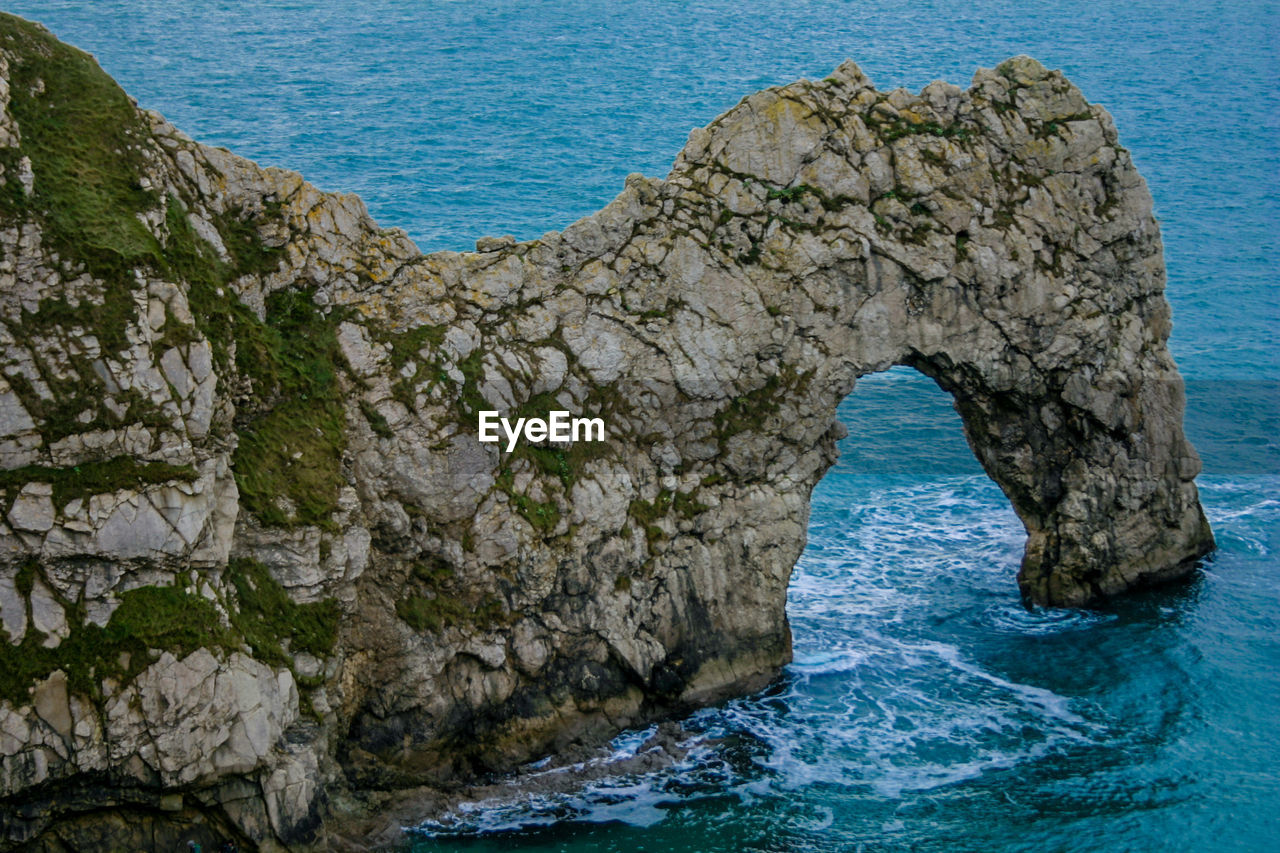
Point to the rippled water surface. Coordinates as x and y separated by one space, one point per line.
926 708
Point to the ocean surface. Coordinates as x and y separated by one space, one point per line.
926 709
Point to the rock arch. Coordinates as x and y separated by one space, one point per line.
1023 274
998 240
272 419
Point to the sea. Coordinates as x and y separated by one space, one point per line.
926 708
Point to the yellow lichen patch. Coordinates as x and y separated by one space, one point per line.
788 114
911 116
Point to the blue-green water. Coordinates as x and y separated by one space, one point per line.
925 709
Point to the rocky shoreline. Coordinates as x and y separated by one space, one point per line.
258 575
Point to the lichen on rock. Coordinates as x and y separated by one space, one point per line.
253 556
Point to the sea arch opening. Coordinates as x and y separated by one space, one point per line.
910 668
906 506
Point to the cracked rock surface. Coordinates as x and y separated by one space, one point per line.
254 563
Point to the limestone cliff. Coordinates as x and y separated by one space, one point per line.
253 557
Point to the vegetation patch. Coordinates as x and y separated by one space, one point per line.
149 617
471 402
293 427
88 148
647 513
96 478
240 236
377 422
793 193
266 616
167 618
554 461
750 410
544 516
85 140
689 506
405 348
893 129
223 319
564 463
293 434
431 615
76 405
436 602
556 464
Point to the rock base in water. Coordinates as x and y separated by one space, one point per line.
254 558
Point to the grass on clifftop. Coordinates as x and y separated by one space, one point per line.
89 149
86 144
84 138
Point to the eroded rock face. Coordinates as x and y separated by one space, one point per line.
252 551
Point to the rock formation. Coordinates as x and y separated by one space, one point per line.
254 561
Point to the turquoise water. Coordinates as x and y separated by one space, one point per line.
925 709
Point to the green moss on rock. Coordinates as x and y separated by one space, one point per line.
269 619
166 618
293 434
240 229
689 506
377 422
470 400
293 428
435 601
647 513
544 516
892 129
96 478
147 618
750 411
